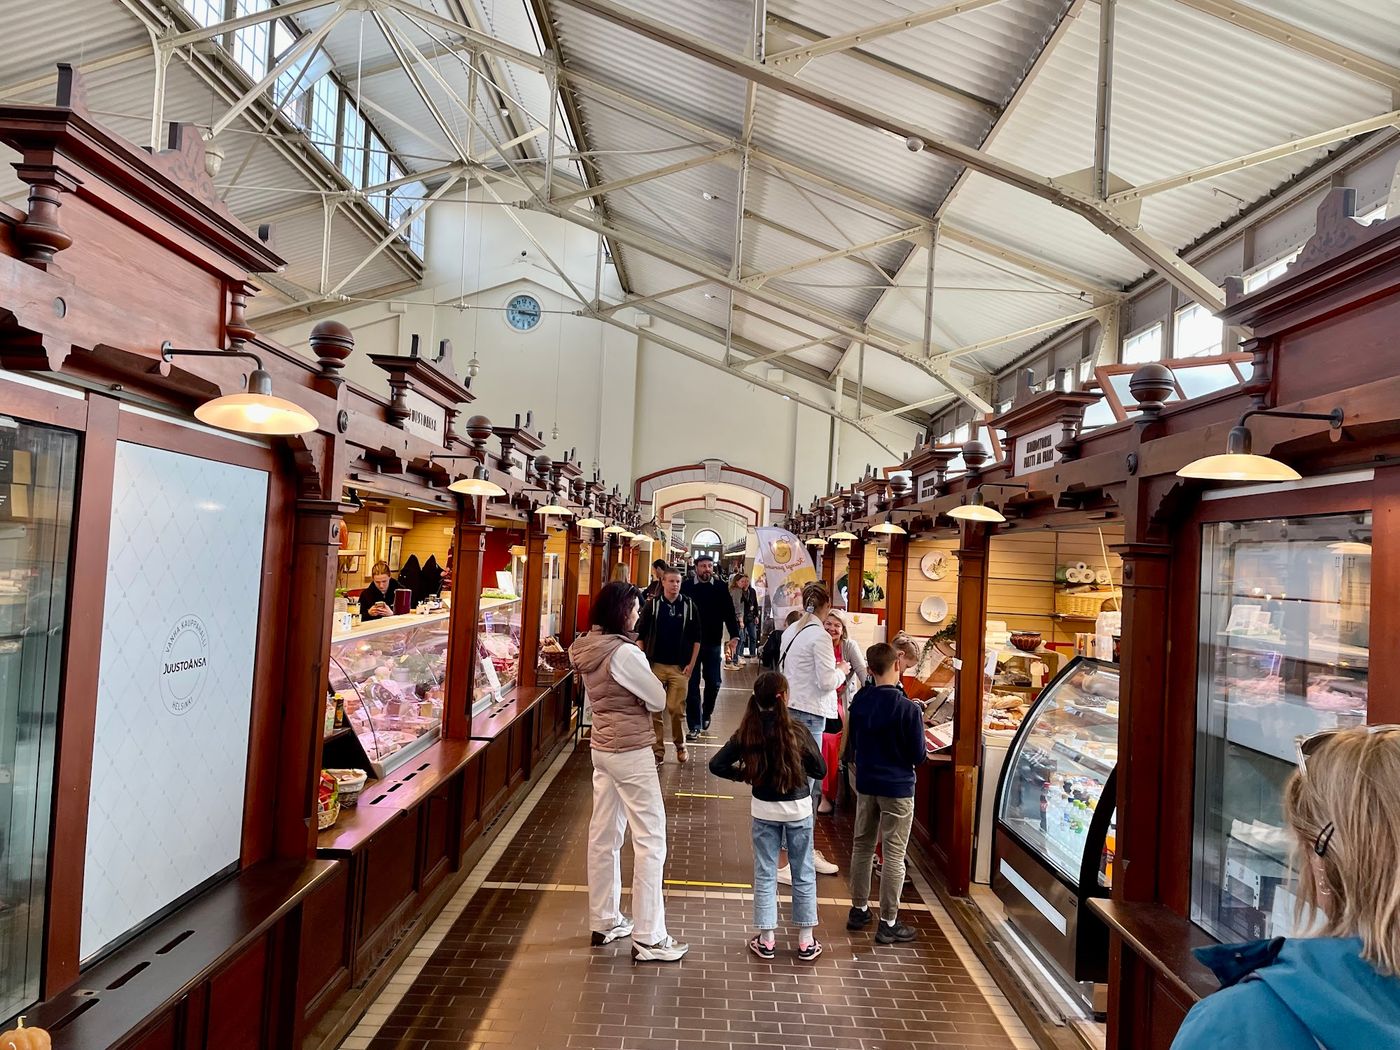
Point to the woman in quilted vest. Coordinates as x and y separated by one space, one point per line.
624 693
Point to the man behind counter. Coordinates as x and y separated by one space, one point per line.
378 598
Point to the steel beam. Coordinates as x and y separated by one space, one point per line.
654 296
915 233
1301 40
928 293
1103 108
832 44
282 10
92 65
404 222
1011 337
617 185
291 58
1261 156
1151 251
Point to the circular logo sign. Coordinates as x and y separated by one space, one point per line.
184 664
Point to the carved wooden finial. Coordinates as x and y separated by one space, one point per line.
332 342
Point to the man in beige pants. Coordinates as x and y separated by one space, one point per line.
669 633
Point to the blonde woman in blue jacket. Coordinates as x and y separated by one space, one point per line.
1340 989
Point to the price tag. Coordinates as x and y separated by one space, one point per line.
957 664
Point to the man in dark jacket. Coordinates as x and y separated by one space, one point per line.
653 590
669 633
885 742
711 598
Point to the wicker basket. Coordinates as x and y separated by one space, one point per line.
1087 604
327 810
556 662
350 782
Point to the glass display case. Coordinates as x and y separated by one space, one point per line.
1054 811
389 676
551 596
1284 649
497 650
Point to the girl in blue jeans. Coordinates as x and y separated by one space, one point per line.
777 758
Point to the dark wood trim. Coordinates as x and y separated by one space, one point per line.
77 718
468 553
896 584
855 577
569 622
967 720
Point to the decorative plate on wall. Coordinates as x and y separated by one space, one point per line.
934 564
934 609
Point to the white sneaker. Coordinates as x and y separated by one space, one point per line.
824 866
785 875
602 937
666 950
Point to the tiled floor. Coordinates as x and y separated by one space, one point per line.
508 961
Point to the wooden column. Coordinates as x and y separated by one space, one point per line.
315 550
597 565
1144 720
530 601
829 568
92 527
855 577
468 549
896 585
568 627
967 725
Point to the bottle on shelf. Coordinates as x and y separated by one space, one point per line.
340 718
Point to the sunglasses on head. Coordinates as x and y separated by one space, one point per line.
1308 746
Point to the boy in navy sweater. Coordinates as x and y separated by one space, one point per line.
885 743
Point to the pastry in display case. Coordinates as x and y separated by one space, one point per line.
389 676
1054 811
497 649
1284 644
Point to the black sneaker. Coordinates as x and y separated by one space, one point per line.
858 919
706 727
808 952
895 933
692 735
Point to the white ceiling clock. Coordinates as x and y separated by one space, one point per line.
523 312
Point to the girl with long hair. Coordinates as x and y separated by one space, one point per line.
777 758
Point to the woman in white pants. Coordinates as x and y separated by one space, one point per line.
624 693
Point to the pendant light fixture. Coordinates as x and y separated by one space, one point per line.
1239 463
888 527
590 522
614 529
255 410
477 483
554 508
843 535
976 508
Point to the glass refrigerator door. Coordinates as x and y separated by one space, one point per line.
1285 652
1060 764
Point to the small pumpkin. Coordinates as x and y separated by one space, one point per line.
21 1038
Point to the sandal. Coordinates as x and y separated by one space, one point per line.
763 951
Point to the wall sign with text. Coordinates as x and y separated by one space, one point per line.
1036 450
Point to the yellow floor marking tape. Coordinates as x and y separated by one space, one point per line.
699 794
710 885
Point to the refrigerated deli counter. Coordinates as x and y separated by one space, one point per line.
1055 817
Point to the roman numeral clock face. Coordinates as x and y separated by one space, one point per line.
523 312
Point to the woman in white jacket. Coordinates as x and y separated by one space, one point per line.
809 663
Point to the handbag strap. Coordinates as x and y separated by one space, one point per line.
782 660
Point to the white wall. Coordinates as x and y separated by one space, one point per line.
628 403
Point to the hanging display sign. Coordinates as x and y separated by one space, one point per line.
787 568
425 419
1036 450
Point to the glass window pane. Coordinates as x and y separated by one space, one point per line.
205 12
1285 625
352 145
1198 332
377 170
1197 382
1143 346
325 111
250 44
37 471
1272 272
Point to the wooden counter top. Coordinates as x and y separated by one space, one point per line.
493 722
143 979
1163 940
384 801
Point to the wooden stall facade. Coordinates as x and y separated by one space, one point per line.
117 251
